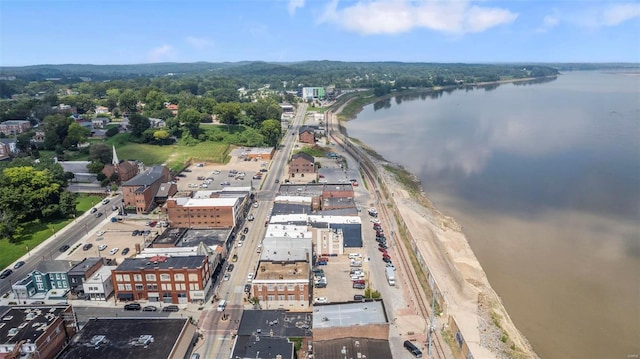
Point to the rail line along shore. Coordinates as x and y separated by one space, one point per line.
471 317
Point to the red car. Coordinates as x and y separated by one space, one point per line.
384 251
385 255
153 223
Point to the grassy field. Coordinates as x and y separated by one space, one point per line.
317 109
174 155
37 232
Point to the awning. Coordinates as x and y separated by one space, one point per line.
125 295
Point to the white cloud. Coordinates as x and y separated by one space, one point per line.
199 42
605 16
295 4
548 23
161 53
620 13
397 16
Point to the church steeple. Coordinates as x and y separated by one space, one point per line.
115 160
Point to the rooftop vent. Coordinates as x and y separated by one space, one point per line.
96 340
8 317
144 340
30 316
12 332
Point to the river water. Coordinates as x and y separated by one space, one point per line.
545 180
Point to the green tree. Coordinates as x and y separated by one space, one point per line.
56 128
76 134
95 166
155 100
190 119
161 136
100 152
271 130
128 101
138 124
113 95
228 112
67 204
112 131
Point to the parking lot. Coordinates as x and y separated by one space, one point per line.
208 176
116 235
339 283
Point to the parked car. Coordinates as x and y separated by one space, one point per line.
277 181
125 251
150 308
134 233
93 210
227 276
153 223
64 248
146 232
98 214
87 246
247 288
249 277
102 247
358 286
320 285
225 183
18 264
215 172
386 259
171 308
321 300
5 273
230 267
245 230
250 218
234 258
105 201
132 306
382 250
358 297
256 204
242 237
100 233
114 250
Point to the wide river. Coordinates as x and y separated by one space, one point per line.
545 180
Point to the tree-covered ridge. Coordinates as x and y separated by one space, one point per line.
255 74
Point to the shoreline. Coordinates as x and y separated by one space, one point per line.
462 290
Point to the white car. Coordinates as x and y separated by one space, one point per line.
114 250
227 276
101 233
102 247
256 204
215 172
321 300
239 243
250 277
390 265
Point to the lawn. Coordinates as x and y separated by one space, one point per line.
37 232
174 155
317 109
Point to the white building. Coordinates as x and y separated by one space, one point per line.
99 285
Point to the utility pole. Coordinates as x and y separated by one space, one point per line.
432 325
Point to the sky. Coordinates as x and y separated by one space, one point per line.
469 31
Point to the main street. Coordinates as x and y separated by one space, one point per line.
219 328
49 249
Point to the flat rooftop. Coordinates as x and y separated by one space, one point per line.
247 346
210 237
280 323
284 270
126 338
348 314
286 249
27 322
352 348
170 236
161 262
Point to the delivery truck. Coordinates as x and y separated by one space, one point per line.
391 276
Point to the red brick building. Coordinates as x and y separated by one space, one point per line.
282 284
301 164
177 280
306 135
141 190
222 212
14 127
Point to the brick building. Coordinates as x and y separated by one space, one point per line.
36 331
307 135
177 280
260 153
14 127
82 271
223 212
282 284
140 191
301 164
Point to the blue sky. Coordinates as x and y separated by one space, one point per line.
141 31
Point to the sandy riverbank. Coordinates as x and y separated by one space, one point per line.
467 295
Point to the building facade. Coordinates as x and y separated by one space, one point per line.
49 277
282 284
313 93
177 280
140 191
81 271
14 127
301 164
204 212
99 285
307 135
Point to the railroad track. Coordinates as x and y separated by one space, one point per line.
416 288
